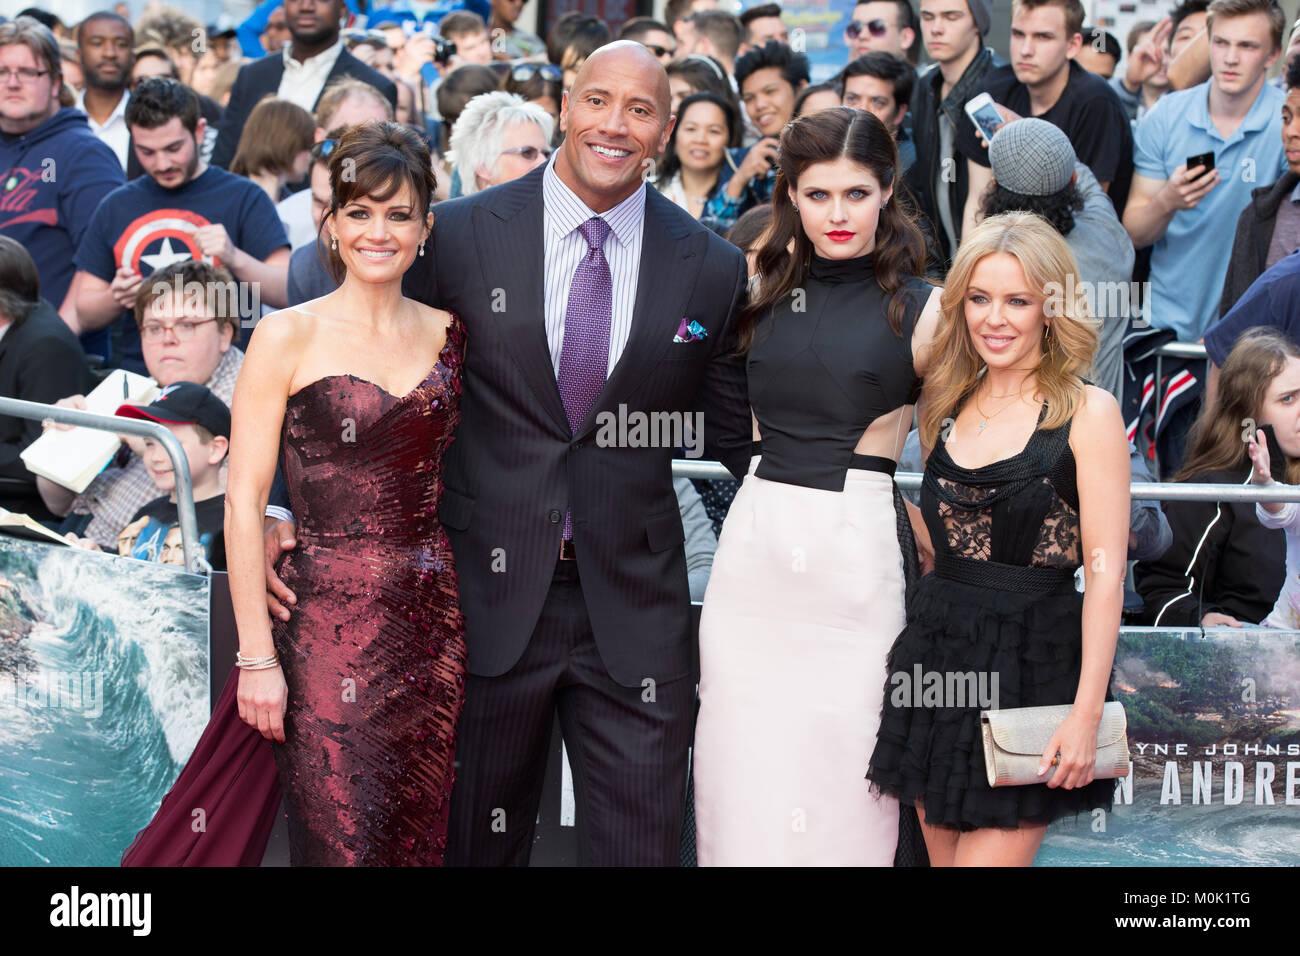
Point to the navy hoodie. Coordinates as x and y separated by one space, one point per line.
51 181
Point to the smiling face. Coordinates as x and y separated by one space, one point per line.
195 360
768 99
201 457
702 137
839 207
105 47
1281 407
1004 316
169 153
1241 52
616 121
1041 46
378 239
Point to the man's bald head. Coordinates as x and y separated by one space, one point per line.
627 55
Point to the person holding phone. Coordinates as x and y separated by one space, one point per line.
1223 568
1181 201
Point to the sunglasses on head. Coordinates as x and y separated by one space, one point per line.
877 28
526 71
658 50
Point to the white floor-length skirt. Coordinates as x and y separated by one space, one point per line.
804 601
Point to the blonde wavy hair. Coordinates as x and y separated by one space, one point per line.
1066 355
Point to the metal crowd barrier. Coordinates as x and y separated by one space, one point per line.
129 426
1141 490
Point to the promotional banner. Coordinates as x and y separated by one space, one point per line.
1214 736
104 692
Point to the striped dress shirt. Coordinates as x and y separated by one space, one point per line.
563 213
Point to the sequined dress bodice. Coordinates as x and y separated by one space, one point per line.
1013 524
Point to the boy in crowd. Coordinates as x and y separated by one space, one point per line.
201 423
1045 80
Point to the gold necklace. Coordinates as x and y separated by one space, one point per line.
987 418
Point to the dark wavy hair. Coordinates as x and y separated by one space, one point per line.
1058 208
671 161
823 137
376 160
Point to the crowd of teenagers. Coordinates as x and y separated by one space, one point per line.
1124 196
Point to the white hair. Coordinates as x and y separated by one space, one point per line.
481 129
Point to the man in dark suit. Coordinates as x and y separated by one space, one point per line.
588 298
300 72
40 361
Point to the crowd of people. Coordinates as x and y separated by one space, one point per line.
1130 196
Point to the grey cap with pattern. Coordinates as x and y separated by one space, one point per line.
1032 157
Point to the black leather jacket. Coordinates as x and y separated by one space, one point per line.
924 111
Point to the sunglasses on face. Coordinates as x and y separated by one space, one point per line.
529 153
660 51
877 28
526 71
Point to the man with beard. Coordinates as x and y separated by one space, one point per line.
181 209
313 59
105 41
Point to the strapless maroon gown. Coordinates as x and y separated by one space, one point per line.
373 653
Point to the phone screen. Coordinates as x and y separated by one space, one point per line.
988 118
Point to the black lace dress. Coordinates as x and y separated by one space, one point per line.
1001 601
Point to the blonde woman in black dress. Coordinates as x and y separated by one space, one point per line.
1026 481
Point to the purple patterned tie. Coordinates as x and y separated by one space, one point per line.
584 357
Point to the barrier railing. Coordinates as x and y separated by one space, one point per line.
1142 490
129 426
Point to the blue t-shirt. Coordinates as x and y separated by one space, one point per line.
51 180
1189 263
146 227
1272 300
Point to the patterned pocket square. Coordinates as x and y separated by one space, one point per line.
690 331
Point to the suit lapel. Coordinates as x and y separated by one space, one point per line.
670 261
511 247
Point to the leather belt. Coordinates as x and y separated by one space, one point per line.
566 550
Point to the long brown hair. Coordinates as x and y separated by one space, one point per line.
1219 439
275 133
1047 261
823 137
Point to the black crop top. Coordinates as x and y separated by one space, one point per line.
824 365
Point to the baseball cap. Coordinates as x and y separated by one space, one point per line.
184 403
1032 157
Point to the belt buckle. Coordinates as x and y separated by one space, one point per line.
566 550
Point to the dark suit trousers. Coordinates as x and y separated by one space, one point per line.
627 747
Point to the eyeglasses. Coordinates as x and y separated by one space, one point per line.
23 74
183 330
529 153
526 71
877 28
660 50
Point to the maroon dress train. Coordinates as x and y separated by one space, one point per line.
373 653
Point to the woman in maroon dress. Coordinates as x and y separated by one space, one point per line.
356 395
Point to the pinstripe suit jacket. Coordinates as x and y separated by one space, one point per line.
515 465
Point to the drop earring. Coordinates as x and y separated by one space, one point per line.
334 242
421 248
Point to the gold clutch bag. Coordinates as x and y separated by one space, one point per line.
1014 741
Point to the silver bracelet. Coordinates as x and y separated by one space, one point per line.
256 663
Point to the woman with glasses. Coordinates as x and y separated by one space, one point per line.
539 83
694 165
499 137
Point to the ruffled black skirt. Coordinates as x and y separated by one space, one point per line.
930 752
